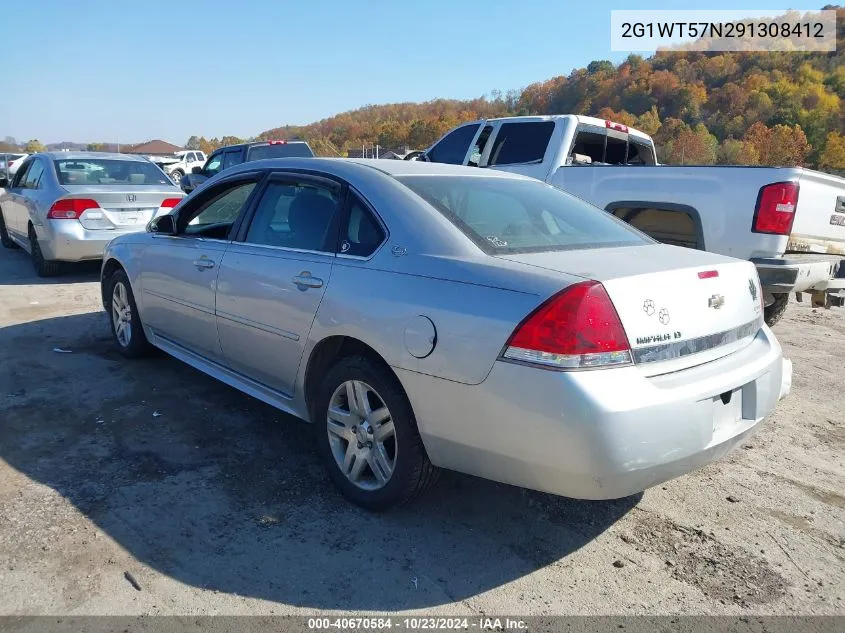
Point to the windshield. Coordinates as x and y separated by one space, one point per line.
280 150
507 215
95 171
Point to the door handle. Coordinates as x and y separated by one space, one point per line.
203 262
305 280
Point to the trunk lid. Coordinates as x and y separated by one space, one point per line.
679 307
123 208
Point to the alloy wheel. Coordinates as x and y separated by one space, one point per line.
121 314
362 436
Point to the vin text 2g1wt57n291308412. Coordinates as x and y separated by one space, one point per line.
789 221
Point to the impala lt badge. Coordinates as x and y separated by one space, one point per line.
716 302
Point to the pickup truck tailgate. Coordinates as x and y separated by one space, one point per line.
819 224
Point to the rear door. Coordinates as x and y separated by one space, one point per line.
180 272
273 278
521 147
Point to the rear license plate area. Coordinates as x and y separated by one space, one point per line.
727 410
130 217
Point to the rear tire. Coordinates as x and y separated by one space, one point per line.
123 316
5 240
373 441
43 267
773 313
176 176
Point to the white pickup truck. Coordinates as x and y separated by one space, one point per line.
180 163
751 213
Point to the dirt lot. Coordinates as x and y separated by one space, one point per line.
216 503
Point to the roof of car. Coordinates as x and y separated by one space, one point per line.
388 166
93 156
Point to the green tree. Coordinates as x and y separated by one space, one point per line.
193 143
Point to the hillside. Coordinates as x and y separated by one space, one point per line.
702 108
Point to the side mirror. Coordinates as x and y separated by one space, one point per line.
163 225
196 170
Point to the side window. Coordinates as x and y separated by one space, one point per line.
215 164
296 214
33 175
362 234
519 143
20 175
480 144
219 212
230 159
640 154
453 147
588 147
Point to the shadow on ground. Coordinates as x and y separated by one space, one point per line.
17 270
220 491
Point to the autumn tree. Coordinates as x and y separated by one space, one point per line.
833 156
193 143
778 145
34 146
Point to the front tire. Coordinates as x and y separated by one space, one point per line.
125 323
5 240
772 313
43 267
367 435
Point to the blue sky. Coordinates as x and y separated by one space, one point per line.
130 71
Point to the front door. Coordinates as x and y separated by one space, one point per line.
180 271
272 281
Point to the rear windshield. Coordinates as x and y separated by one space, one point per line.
280 150
99 171
504 215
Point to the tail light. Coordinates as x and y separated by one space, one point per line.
578 328
775 211
70 208
277 142
615 126
169 203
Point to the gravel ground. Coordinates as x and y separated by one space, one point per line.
217 504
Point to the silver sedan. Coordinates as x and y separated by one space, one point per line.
66 206
427 316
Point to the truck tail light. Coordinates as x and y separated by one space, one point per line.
578 328
277 142
775 211
70 208
616 126
169 203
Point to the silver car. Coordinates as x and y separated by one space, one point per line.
427 316
66 206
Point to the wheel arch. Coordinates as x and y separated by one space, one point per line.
326 353
637 206
110 266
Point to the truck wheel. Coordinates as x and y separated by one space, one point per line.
177 176
772 313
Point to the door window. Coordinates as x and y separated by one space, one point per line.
362 233
521 143
33 175
230 159
20 175
453 147
480 144
214 218
215 164
296 214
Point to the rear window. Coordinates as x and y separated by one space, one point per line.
280 150
98 171
503 215
520 143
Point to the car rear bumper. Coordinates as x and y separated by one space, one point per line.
599 434
69 241
796 273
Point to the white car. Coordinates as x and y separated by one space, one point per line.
181 163
788 221
11 162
